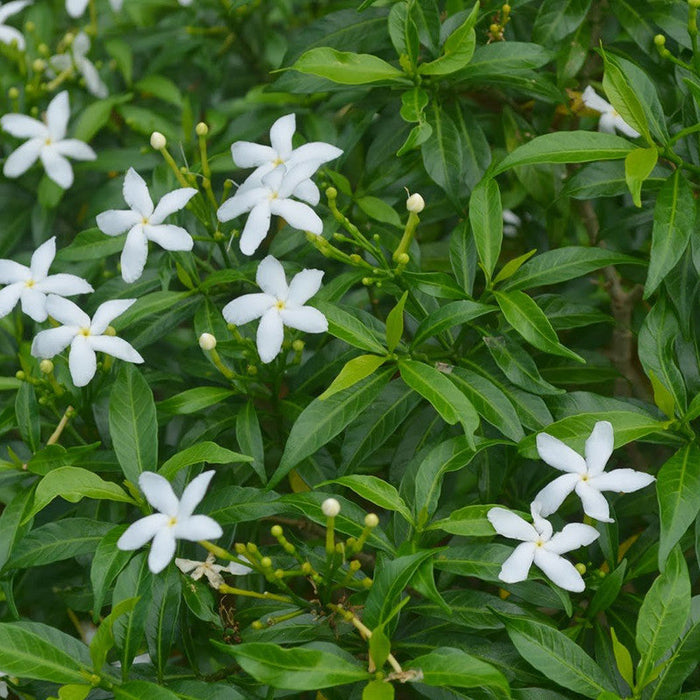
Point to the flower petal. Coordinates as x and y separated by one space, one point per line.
292 178
93 82
8 35
52 341
304 318
82 361
307 191
57 114
508 524
559 570
66 312
621 125
11 272
572 536
281 133
116 221
249 155
247 308
559 455
138 533
136 193
34 304
621 480
543 527
24 127
107 312
517 566
238 569
64 285
593 501
256 228
187 565
12 8
159 493
73 148
75 8
134 254
42 258
599 447
172 202
606 123
270 335
198 527
317 152
162 550
554 493
116 347
193 494
304 285
298 215
593 100
56 166
244 200
169 237
271 279
9 296
22 158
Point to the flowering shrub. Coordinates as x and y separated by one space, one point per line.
466 235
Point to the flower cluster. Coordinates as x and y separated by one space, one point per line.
584 476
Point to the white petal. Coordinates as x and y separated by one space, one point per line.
297 215
42 258
599 447
12 8
559 455
193 494
64 285
52 341
187 565
9 296
304 318
308 192
107 312
572 536
606 123
34 304
82 361
138 533
116 221
593 100
198 527
270 335
159 493
116 347
11 272
162 550
317 152
542 526
24 127
9 35
292 177
517 566
510 525
621 480
304 285
247 308
244 200
625 128
75 8
554 493
22 158
80 45
57 167
57 114
134 254
169 237
256 228
73 148
594 503
249 155
93 82
172 202
281 133
66 312
559 570
136 193
238 569
271 278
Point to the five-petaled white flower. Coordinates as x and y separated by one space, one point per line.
174 521
75 57
75 8
84 336
10 34
144 222
32 284
212 571
609 117
271 195
279 305
586 476
47 141
541 546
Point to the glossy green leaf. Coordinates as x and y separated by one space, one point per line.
486 219
195 400
345 67
250 439
394 323
349 328
27 412
208 452
457 49
638 167
353 371
375 490
143 690
556 20
454 313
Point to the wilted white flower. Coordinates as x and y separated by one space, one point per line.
272 195
145 223
32 284
84 336
173 522
75 8
47 141
208 568
540 546
76 57
279 305
586 476
10 34
609 117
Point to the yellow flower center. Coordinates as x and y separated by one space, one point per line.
279 305
277 161
29 283
172 521
273 195
144 220
85 332
538 542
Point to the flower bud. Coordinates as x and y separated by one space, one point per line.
158 141
371 520
19 374
207 341
660 40
355 565
46 366
68 38
240 548
330 507
298 345
201 129
30 26
276 531
257 625
581 568
306 568
110 330
43 50
403 259
266 562
38 65
415 203
13 93
331 193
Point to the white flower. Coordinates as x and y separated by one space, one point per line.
271 195
174 521
208 568
586 476
266 158
32 284
75 8
609 117
511 223
330 507
145 223
45 141
4 692
10 34
84 336
76 57
540 546
279 305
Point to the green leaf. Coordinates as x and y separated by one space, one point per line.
556 19
512 266
379 647
121 52
638 167
523 314
452 314
394 323
378 690
663 398
486 219
346 68
556 656
13 524
142 690
27 412
349 328
413 101
374 490
162 617
678 492
608 590
442 152
108 561
470 521
295 669
132 423
103 640
353 371
674 221
96 115
91 244
208 452
250 439
567 147
457 49
379 210
163 88
623 659
195 400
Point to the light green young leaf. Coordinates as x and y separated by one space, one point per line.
623 659
353 371
638 167
103 640
457 50
347 68
375 490
394 323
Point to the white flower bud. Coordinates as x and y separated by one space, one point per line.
415 203
207 341
158 141
330 507
371 520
